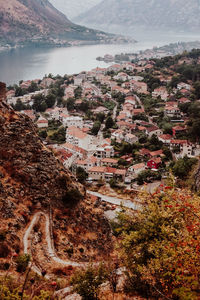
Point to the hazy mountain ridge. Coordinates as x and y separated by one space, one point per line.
156 14
38 21
75 7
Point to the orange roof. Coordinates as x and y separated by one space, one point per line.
138 166
76 132
97 169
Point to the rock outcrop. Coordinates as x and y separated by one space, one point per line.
28 170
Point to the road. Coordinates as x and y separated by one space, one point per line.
50 248
116 201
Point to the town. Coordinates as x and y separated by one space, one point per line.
127 124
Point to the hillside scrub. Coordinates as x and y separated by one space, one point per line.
160 246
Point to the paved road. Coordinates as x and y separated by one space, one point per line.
116 201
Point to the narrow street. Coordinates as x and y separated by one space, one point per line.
116 201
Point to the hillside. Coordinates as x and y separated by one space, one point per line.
75 7
155 14
33 183
27 22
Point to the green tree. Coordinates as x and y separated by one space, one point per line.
183 167
160 246
109 123
197 89
22 262
81 175
96 127
87 282
50 100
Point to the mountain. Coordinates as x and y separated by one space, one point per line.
154 14
75 7
37 21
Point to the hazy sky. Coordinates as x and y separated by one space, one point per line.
73 8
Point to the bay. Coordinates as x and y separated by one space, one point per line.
32 63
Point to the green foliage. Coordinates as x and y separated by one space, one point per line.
87 282
109 123
96 127
100 117
81 175
183 167
160 246
72 197
113 183
148 176
78 92
70 104
22 262
59 135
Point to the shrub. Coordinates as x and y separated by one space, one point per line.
72 197
87 282
4 250
22 262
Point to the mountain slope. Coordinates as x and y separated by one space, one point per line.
28 21
156 14
32 180
75 7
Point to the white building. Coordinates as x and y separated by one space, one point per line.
73 121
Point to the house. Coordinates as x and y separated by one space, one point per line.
183 85
172 111
100 109
177 144
153 130
77 137
156 153
30 113
118 135
65 156
160 92
144 152
136 169
178 129
47 82
154 163
139 87
121 76
115 68
184 100
165 138
75 121
130 138
104 152
130 100
78 80
106 173
42 123
108 162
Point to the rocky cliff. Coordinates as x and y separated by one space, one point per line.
154 14
32 180
28 170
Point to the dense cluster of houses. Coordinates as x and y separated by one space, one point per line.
97 155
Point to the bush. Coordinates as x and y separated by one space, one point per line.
87 282
22 262
72 197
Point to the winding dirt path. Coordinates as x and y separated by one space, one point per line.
49 241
